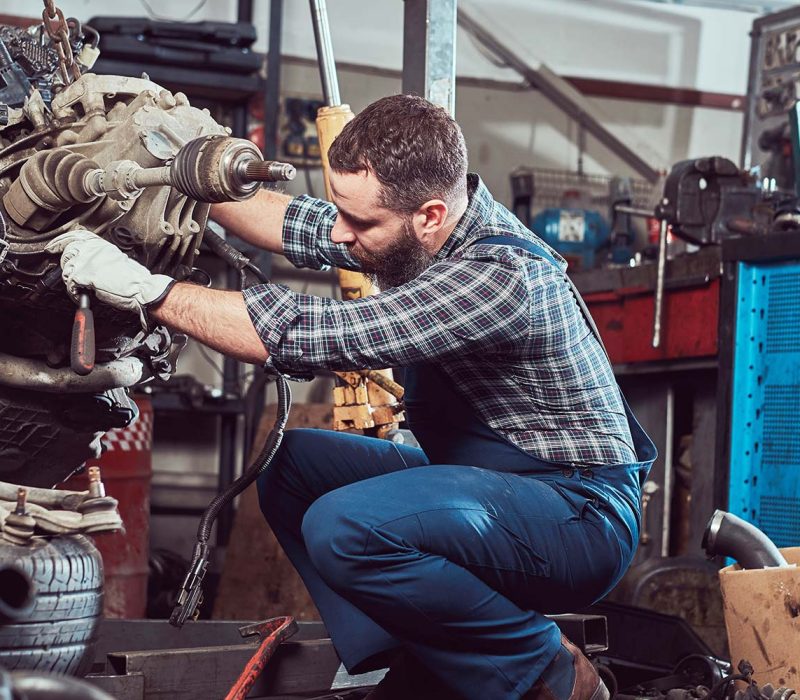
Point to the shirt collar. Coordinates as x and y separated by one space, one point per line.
473 221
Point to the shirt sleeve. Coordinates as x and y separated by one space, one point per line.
306 235
455 307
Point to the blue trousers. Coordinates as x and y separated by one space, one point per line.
455 564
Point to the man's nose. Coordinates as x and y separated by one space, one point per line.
341 234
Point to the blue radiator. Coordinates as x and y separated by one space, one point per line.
764 485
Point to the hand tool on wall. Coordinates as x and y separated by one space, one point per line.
658 312
359 402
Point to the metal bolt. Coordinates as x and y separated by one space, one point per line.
22 499
96 488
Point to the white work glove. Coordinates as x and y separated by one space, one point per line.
90 263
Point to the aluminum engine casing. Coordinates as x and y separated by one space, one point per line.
105 118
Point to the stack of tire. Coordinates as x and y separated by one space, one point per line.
51 601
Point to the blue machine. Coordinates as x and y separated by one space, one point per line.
764 478
575 233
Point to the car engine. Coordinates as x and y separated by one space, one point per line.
128 160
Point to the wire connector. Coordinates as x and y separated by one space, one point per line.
190 596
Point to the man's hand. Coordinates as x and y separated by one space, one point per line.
90 263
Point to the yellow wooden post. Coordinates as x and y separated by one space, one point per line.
358 402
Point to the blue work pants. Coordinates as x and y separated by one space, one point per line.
456 564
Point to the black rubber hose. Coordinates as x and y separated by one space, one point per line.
238 260
262 462
729 536
220 247
260 276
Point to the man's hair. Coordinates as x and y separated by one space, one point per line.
415 149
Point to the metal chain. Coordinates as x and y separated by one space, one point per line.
58 30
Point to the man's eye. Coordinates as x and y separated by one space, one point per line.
361 225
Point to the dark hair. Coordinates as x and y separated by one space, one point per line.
414 148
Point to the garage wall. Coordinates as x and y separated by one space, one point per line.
506 126
624 40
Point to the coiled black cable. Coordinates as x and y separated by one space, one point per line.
190 595
261 463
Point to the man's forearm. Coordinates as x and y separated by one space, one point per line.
215 317
258 220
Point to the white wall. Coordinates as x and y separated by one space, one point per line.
626 40
631 40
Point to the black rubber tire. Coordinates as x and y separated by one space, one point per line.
60 632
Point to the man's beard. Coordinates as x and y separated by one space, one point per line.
401 261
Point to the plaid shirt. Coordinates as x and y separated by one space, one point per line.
501 322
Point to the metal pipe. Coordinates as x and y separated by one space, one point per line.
634 211
327 67
662 268
728 535
244 11
273 87
152 177
23 373
560 93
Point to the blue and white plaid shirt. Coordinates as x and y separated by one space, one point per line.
500 321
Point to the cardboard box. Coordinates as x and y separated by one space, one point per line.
762 617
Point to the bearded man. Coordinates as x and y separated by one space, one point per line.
524 498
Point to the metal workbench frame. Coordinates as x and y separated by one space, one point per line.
148 659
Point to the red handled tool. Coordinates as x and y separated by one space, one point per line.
272 633
81 355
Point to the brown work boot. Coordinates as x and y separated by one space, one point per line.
570 660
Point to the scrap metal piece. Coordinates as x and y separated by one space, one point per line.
57 512
273 633
99 511
18 526
31 374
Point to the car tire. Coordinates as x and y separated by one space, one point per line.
59 631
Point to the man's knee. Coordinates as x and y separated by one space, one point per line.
273 483
334 540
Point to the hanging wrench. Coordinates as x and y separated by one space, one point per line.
662 268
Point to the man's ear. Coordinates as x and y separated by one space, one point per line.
430 218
